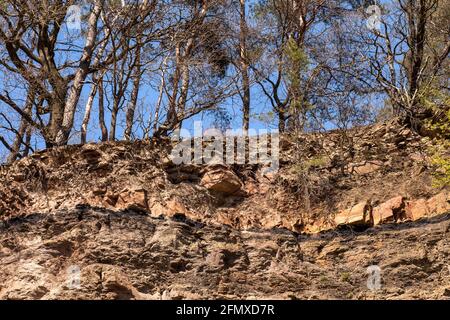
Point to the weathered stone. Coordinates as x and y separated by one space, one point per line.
142 258
358 215
221 180
171 208
99 191
439 204
175 206
416 210
321 225
111 198
252 188
125 254
91 154
132 199
368 167
157 209
391 210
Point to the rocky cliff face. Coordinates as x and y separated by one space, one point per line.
127 223
98 254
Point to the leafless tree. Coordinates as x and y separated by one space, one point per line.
404 58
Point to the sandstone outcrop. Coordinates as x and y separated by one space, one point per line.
122 221
397 209
89 253
375 175
423 208
222 180
392 210
359 215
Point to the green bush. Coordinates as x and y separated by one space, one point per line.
439 127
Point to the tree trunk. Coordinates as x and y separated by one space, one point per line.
114 113
160 96
80 76
101 110
24 125
94 89
87 113
281 121
244 67
134 96
27 149
185 81
172 112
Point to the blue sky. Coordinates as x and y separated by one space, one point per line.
147 99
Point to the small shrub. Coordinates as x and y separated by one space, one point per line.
345 277
440 152
439 128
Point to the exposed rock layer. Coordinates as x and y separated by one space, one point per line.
365 176
122 221
128 255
